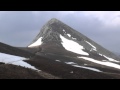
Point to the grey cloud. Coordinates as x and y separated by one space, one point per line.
20 28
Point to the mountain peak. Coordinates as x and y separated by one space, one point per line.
53 20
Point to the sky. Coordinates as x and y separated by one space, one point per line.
19 28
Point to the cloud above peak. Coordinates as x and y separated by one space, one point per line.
109 18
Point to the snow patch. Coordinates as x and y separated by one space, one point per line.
69 35
70 63
89 68
100 54
63 30
85 64
110 59
37 43
93 47
74 38
75 65
58 60
110 64
15 60
104 60
72 46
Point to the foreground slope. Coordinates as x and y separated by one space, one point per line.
50 69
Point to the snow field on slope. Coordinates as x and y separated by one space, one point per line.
89 68
109 64
37 43
15 60
93 47
72 46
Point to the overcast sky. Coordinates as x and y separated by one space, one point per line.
19 28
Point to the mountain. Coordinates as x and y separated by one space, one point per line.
59 52
56 35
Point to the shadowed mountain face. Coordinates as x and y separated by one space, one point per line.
59 52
